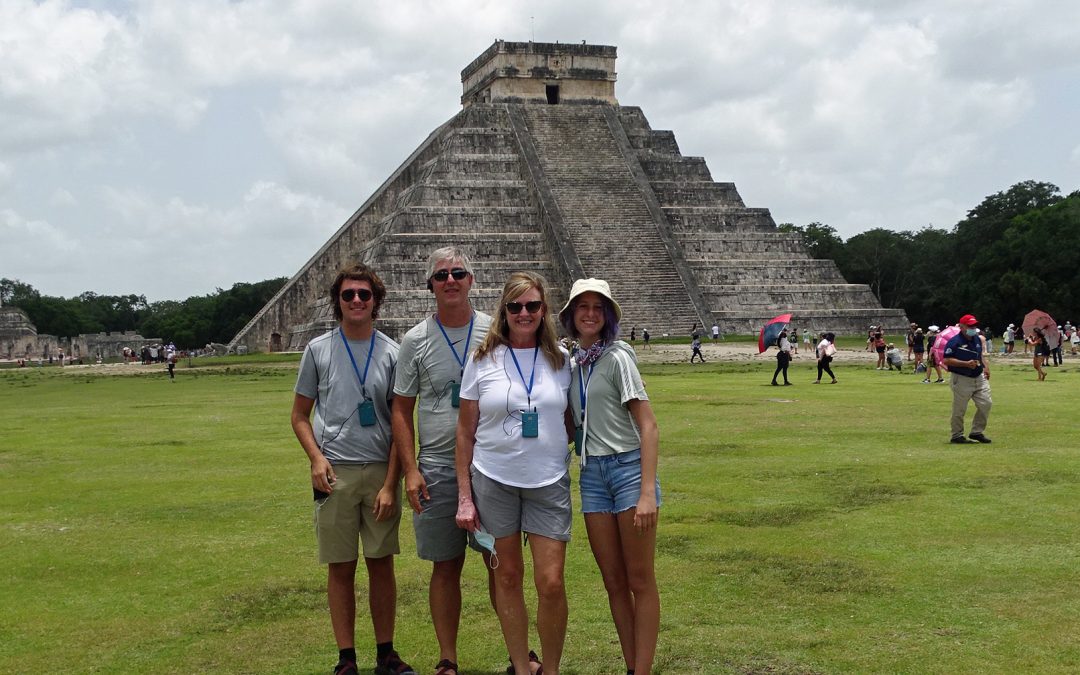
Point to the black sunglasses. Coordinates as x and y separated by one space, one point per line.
457 273
532 307
362 293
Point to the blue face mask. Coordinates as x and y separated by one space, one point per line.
971 332
487 542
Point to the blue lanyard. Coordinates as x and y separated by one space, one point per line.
583 387
532 375
370 351
468 339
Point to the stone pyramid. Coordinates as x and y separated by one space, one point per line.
543 170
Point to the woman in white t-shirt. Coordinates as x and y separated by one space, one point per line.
513 462
620 493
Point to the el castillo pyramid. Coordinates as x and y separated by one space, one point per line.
543 170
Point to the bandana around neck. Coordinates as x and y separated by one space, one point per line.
589 356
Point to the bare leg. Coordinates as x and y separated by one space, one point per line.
639 552
604 539
549 561
444 599
382 596
510 600
341 597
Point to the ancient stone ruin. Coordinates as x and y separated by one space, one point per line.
543 170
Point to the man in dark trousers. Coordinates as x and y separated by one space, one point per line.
969 380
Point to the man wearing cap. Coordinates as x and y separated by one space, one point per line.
430 367
969 380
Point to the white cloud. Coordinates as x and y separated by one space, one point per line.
198 248
62 197
857 114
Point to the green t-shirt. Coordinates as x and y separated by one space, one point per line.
427 370
614 382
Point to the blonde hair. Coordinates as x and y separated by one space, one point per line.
499 333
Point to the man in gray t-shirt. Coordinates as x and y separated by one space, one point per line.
432 358
346 377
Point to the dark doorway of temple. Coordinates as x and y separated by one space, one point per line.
275 342
552 93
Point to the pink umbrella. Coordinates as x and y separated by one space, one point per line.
939 345
1037 318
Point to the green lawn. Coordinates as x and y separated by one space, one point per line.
148 526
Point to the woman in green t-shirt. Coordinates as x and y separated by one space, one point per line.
617 439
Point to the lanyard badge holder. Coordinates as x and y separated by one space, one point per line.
579 430
365 409
530 419
455 387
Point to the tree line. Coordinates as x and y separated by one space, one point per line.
191 323
1016 251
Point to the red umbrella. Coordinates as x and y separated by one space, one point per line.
770 331
1037 318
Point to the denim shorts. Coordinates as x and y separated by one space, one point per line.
612 483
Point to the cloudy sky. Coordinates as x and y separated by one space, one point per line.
173 147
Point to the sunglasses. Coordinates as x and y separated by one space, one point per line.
532 307
349 293
443 275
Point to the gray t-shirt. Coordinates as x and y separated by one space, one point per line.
327 376
427 369
614 382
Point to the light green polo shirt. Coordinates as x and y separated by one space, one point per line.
614 382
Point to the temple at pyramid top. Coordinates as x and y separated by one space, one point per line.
543 169
540 72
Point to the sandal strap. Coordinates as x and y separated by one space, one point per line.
442 667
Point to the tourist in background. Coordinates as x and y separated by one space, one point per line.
825 351
618 440
1009 338
793 339
969 381
918 348
932 336
512 463
909 339
347 377
1055 347
695 349
879 347
894 358
1038 344
783 357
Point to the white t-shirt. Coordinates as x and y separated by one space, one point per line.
500 452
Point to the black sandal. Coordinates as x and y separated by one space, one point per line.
533 658
445 666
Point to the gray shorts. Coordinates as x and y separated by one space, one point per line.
504 509
438 537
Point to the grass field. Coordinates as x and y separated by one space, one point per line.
156 527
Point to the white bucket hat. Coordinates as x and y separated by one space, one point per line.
933 329
596 286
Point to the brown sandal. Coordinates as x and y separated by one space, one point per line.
445 667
